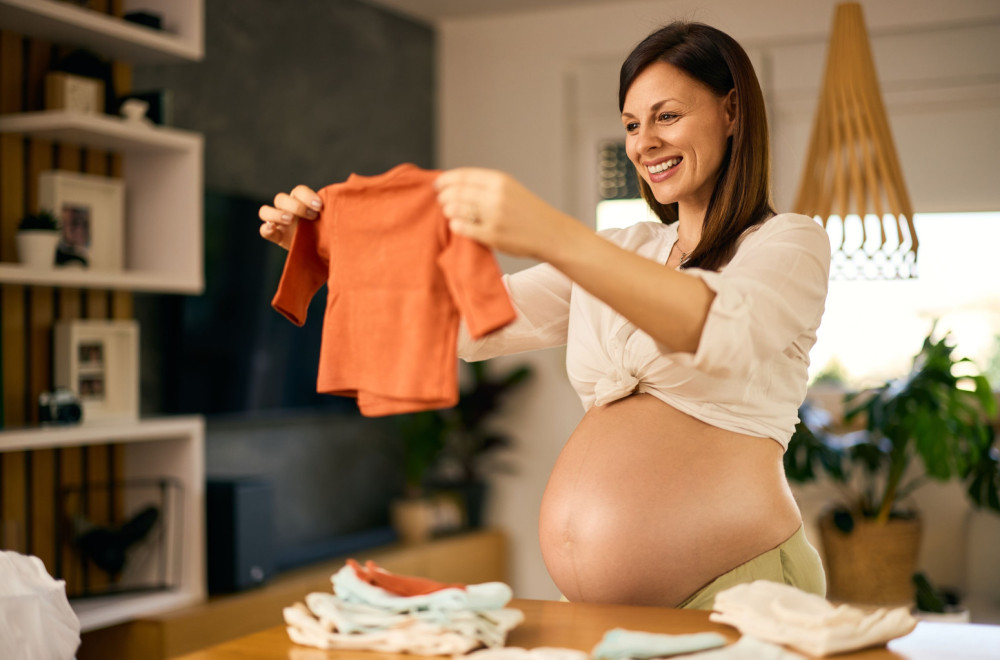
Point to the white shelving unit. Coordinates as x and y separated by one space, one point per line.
182 38
154 448
163 201
163 173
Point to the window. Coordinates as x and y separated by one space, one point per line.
872 329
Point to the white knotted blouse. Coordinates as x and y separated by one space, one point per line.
750 371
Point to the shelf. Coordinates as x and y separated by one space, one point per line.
162 169
62 22
106 611
80 278
153 448
99 131
89 433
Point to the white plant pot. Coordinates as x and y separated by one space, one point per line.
37 247
950 615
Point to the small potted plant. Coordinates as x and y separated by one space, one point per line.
445 456
37 238
937 603
422 436
935 415
470 445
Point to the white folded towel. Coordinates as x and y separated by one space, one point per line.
785 615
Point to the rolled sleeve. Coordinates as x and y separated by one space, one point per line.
772 293
540 296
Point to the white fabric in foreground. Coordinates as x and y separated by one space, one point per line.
747 648
785 615
36 621
537 653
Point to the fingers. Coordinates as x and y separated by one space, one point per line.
279 235
461 211
307 197
275 216
296 206
469 195
278 221
467 183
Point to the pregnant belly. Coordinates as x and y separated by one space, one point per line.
646 505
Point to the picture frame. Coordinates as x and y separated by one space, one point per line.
99 361
65 91
91 211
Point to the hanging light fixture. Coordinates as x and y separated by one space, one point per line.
852 179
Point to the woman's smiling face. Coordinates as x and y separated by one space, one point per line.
677 130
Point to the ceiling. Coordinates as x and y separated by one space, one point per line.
433 11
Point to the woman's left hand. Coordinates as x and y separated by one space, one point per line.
493 208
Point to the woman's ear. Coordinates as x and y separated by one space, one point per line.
730 107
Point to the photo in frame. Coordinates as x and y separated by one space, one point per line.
91 212
99 361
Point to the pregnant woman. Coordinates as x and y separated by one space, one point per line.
687 339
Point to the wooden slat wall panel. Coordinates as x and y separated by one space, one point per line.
13 500
71 475
42 542
33 484
13 509
98 500
41 299
39 61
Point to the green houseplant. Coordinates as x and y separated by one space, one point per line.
37 238
932 424
449 450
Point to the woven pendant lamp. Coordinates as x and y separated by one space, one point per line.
852 171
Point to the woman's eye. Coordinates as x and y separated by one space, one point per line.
631 126
667 116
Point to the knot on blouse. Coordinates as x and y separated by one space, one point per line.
613 387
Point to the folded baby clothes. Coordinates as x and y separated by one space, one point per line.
443 619
401 585
619 643
479 597
785 615
747 648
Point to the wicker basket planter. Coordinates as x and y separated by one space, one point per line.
873 564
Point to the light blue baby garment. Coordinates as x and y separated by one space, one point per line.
619 643
476 597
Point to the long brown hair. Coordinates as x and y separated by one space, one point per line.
741 197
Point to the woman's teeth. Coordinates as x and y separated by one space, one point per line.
664 166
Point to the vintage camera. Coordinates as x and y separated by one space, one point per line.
60 406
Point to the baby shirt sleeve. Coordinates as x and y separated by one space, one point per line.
304 273
540 295
474 282
765 299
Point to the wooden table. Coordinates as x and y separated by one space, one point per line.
581 626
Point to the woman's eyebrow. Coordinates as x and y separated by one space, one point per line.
653 108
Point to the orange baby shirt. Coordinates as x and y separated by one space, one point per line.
397 280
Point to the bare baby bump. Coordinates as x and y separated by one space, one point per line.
646 505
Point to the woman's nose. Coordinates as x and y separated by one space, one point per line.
647 139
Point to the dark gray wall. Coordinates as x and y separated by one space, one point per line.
297 91
303 91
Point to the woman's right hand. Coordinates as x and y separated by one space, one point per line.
279 221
